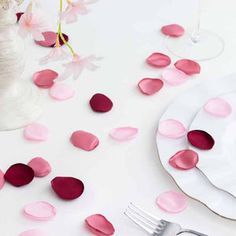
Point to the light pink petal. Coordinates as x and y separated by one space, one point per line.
158 60
2 179
149 86
174 77
184 160
36 132
172 202
33 232
99 225
172 128
173 30
189 67
45 78
61 91
218 107
41 211
40 166
124 133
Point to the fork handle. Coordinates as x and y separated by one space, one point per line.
191 232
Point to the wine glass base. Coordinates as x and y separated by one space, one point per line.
209 46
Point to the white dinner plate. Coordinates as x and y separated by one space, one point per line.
193 182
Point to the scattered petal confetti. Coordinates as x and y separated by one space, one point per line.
40 166
2 180
36 132
173 30
149 86
218 107
124 133
99 225
19 175
18 15
33 232
100 103
84 140
189 67
172 202
174 77
45 78
158 60
60 91
41 211
201 139
67 188
172 128
184 160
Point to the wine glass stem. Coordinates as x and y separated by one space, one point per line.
195 37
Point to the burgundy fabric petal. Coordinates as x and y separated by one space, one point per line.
67 188
124 133
65 36
184 160
149 86
45 78
173 30
33 232
19 175
100 103
84 140
2 180
201 139
40 166
189 67
18 15
158 60
99 225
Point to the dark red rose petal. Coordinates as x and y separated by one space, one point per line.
173 30
45 78
19 175
66 37
158 60
200 139
18 15
189 67
100 103
67 188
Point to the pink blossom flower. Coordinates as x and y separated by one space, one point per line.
75 8
77 65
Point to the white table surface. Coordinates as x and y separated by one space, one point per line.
124 32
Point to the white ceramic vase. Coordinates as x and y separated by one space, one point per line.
20 100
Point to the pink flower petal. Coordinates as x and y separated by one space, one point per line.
40 166
45 78
42 211
2 180
124 133
150 86
173 30
189 67
100 103
84 140
172 128
174 77
201 139
218 107
67 188
158 60
49 39
172 202
36 132
99 225
61 91
184 160
33 232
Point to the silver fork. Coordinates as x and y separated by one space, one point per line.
153 225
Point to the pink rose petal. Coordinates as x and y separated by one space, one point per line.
33 232
150 86
172 128
49 39
61 91
84 140
158 60
218 107
45 78
174 77
173 30
124 133
172 202
2 180
36 132
41 211
184 160
99 225
189 67
40 166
